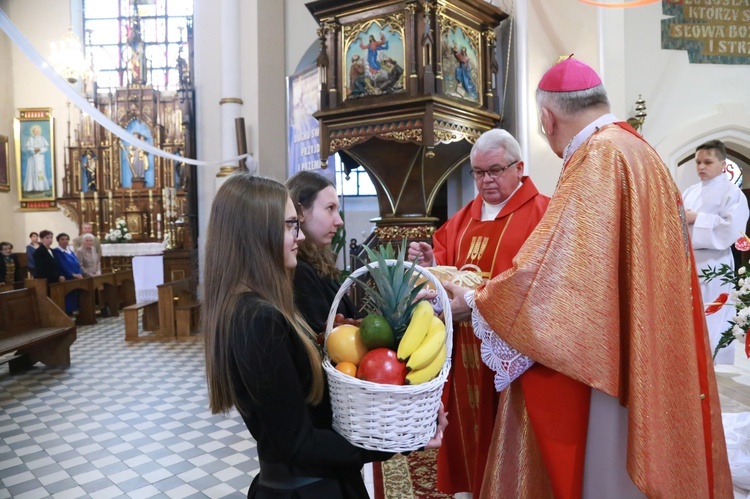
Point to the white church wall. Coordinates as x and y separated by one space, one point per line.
8 200
551 30
299 32
261 72
685 102
46 22
207 25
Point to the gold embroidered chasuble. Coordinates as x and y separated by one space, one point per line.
605 292
470 395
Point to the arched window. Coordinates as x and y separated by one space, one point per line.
107 25
359 183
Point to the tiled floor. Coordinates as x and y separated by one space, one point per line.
125 420
132 420
734 383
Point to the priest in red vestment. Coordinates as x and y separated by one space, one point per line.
486 233
596 333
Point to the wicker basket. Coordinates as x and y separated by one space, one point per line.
386 417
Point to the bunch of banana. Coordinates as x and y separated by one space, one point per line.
418 328
427 360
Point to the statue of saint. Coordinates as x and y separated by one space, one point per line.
89 166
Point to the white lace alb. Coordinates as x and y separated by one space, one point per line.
507 362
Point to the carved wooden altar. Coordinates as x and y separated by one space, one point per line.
107 178
406 88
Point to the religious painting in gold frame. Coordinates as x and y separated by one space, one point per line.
4 164
373 57
34 132
460 52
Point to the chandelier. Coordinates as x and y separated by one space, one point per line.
68 60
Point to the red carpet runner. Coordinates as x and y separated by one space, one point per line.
412 477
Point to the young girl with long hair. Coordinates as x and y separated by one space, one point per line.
261 356
316 277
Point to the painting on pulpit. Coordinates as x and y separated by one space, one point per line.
136 163
374 57
461 75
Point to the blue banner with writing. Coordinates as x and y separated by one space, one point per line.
303 129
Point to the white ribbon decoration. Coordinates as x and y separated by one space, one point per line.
84 105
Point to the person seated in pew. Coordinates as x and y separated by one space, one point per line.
30 249
10 269
70 268
88 256
45 263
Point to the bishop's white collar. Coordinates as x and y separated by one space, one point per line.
584 134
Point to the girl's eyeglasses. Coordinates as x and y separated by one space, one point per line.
293 225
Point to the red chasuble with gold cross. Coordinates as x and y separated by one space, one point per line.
469 395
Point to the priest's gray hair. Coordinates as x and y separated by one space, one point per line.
572 103
497 139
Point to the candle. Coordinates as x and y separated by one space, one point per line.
150 197
96 198
109 196
83 207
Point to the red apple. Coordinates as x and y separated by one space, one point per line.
381 365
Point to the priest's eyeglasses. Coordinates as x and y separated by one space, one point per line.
492 172
293 225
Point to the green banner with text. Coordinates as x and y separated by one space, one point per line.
712 31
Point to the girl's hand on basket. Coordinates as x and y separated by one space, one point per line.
437 440
431 296
459 308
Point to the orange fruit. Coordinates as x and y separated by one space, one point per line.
347 368
345 345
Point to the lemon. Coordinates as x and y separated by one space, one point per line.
376 332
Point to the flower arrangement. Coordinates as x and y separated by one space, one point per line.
119 233
739 298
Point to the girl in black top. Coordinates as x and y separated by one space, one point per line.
261 357
316 279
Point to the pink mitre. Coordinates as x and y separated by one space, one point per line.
569 75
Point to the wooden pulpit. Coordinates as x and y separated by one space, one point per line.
406 88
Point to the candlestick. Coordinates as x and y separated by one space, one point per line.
109 196
83 206
96 210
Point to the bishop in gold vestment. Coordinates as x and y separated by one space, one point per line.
603 300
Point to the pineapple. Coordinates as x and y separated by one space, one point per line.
396 288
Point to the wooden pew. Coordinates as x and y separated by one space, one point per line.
86 298
107 283
23 262
125 287
178 308
33 327
173 316
150 320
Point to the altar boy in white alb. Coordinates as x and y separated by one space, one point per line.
716 211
